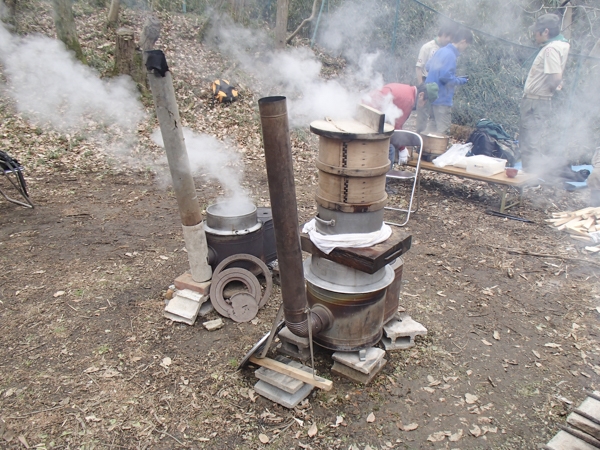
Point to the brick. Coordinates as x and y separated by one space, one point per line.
283 398
401 343
404 327
294 346
356 376
186 281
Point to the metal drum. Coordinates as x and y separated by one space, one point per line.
338 222
355 299
392 295
233 228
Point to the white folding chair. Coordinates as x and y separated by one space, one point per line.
407 139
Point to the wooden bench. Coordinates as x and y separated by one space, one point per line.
499 182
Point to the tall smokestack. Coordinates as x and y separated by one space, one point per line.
161 84
282 190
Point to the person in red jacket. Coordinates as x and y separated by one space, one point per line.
397 101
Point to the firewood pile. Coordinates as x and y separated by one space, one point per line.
582 225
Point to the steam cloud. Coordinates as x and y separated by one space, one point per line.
212 159
50 86
295 73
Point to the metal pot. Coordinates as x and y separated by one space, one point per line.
335 277
231 218
337 222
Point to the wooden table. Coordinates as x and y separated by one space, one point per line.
499 182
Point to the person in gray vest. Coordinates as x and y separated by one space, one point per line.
538 155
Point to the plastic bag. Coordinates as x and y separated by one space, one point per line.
453 155
403 157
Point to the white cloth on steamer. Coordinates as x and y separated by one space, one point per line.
327 242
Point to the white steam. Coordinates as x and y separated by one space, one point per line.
50 86
212 159
296 74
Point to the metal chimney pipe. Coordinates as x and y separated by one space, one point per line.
167 112
282 190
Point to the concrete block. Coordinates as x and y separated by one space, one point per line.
403 327
212 325
294 346
184 306
281 397
590 407
186 281
373 357
566 441
401 343
356 376
281 381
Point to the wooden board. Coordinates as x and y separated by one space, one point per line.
369 259
293 372
522 179
370 117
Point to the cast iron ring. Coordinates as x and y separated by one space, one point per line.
261 265
222 278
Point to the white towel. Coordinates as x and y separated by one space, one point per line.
327 242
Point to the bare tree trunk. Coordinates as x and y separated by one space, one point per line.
316 6
281 23
124 55
567 22
65 27
113 14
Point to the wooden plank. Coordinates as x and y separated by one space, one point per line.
293 372
371 117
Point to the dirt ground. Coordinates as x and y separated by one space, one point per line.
88 361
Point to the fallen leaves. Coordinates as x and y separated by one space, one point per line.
470 398
263 438
371 418
58 294
312 431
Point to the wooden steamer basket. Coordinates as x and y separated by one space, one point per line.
434 145
352 164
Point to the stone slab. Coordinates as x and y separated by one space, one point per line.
401 343
212 325
351 359
404 326
283 398
184 307
206 309
356 376
591 407
280 380
566 441
186 281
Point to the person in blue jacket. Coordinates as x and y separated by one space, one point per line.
441 69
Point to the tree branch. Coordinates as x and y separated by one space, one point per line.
316 6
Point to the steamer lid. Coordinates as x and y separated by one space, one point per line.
349 130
